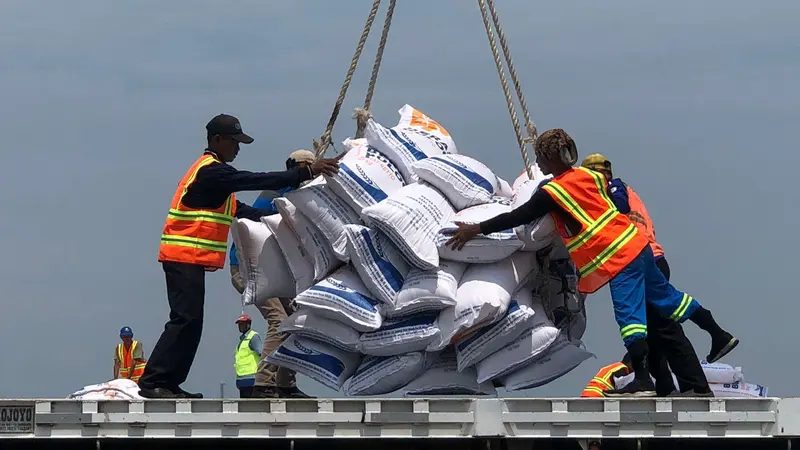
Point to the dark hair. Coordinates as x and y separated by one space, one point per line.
557 144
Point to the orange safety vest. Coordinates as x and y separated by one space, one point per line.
607 240
604 380
126 368
196 236
641 219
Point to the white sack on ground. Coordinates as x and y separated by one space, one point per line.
483 296
308 323
415 137
296 257
530 345
411 218
541 232
488 340
343 297
327 211
538 177
429 290
401 335
739 389
381 266
261 262
119 389
380 375
482 248
321 362
313 241
443 378
561 358
365 176
463 180
722 373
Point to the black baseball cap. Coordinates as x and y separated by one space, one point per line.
227 125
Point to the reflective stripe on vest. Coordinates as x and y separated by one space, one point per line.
125 356
246 360
641 218
603 381
196 236
607 241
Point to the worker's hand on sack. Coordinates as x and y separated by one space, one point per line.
326 166
461 235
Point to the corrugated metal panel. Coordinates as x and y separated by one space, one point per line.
404 418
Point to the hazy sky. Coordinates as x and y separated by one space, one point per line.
103 107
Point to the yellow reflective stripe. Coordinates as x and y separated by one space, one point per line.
681 309
599 181
595 389
630 330
587 234
603 382
201 216
194 242
606 254
569 202
208 159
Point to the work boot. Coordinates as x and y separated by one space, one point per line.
636 388
184 394
265 392
292 392
158 392
721 345
691 393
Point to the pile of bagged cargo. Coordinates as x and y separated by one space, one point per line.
383 304
723 379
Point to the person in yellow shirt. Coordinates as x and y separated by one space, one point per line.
129 359
248 353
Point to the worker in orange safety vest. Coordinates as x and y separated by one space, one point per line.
129 359
194 241
664 336
607 248
604 380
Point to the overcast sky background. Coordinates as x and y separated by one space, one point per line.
103 107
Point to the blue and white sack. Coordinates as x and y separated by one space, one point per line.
380 375
464 181
321 362
401 335
381 266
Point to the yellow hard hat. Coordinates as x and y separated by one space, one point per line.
596 161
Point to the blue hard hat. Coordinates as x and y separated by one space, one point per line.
125 331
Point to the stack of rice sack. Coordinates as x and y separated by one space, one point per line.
384 305
723 379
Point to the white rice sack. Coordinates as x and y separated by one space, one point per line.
415 137
319 361
488 340
327 211
343 297
483 296
382 268
311 324
541 232
739 390
722 373
504 189
538 176
483 248
464 181
261 263
530 345
559 360
311 238
401 335
429 290
443 378
381 375
365 176
296 256
411 218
